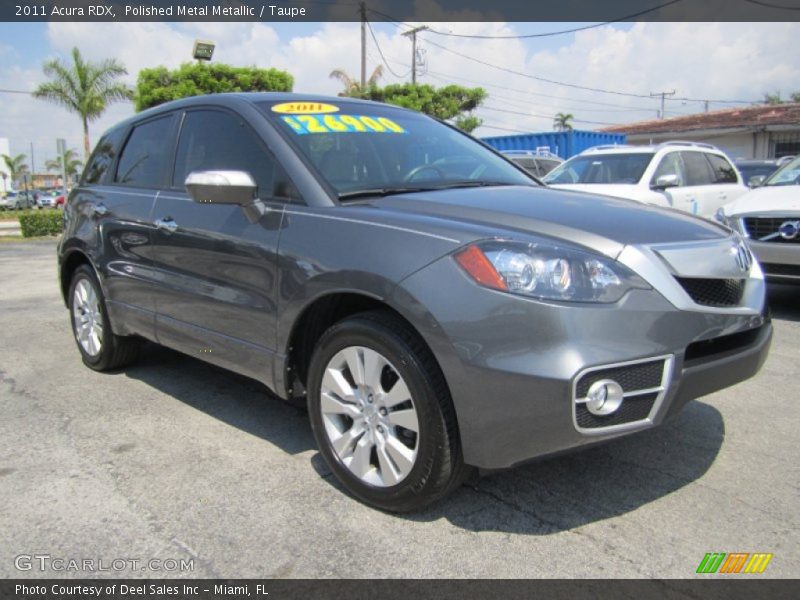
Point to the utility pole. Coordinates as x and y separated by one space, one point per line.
33 164
413 33
706 104
663 95
363 46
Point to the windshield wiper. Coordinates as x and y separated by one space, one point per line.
464 184
386 191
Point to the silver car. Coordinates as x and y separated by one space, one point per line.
435 308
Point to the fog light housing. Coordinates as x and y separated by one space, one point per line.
604 397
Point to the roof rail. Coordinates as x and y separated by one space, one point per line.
686 143
607 147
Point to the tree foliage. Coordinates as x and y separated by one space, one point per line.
158 85
775 98
452 102
71 160
15 165
83 87
352 87
562 121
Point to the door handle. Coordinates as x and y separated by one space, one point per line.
100 210
166 224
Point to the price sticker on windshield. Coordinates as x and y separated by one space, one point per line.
304 124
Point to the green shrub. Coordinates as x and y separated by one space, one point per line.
159 84
41 222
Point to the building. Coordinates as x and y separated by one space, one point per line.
760 131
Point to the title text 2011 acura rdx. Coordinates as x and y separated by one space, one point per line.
436 307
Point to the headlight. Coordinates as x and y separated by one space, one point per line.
548 271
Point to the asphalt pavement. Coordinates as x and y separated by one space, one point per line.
174 460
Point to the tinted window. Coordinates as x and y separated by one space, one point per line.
215 140
723 170
144 156
696 169
627 167
670 165
102 158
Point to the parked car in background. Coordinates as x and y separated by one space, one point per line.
434 307
754 172
58 202
693 177
45 200
15 200
769 217
537 162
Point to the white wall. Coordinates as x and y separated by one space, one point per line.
737 145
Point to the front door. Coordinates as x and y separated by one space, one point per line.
217 297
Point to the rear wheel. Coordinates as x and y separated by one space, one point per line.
100 348
382 415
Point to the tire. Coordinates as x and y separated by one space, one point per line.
101 349
360 429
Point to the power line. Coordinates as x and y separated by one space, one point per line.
563 83
383 58
554 33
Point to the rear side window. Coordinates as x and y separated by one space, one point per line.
214 140
723 170
143 159
697 169
102 158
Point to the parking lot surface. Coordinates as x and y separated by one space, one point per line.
172 459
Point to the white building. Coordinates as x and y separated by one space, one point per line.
752 132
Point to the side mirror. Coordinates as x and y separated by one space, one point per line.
755 181
666 181
227 187
221 187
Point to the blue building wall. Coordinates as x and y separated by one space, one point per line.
563 143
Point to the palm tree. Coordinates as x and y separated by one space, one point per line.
561 122
84 87
15 165
352 87
71 160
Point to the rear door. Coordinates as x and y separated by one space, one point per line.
118 193
217 296
703 194
727 186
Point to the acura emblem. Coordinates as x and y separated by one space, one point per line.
789 230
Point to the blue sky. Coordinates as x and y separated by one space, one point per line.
717 61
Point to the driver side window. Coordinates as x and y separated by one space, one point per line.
670 164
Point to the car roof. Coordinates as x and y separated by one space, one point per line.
238 98
650 148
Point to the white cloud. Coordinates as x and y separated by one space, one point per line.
698 60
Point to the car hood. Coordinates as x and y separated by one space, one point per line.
600 222
769 199
618 190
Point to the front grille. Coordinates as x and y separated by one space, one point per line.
634 408
640 376
759 227
781 270
713 292
648 376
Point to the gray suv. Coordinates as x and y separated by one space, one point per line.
435 307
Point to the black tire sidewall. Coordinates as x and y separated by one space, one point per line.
411 491
102 359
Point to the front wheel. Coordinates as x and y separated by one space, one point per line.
382 414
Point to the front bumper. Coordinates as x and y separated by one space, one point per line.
512 363
779 261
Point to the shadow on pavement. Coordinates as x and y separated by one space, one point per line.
238 401
542 498
784 301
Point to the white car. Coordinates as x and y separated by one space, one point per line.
689 176
769 216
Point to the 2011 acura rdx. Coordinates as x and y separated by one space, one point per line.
436 307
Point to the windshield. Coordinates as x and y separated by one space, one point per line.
788 174
601 168
362 149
